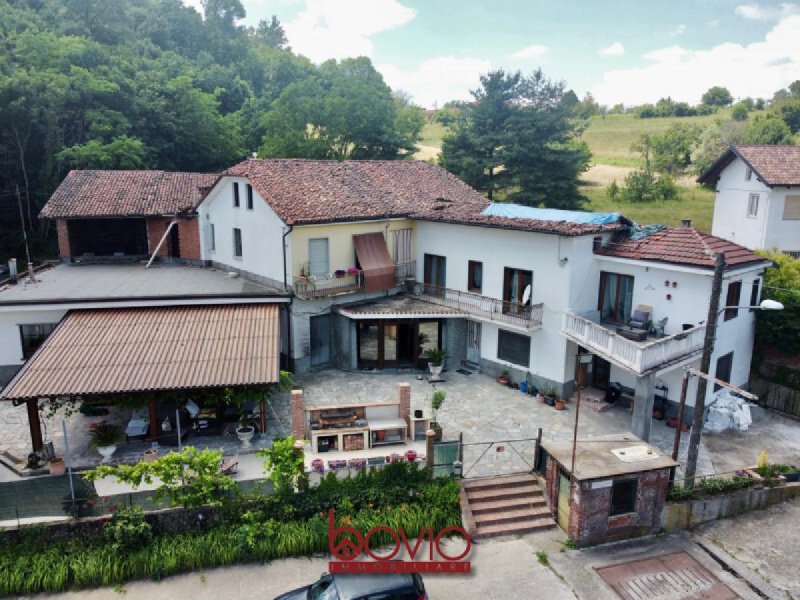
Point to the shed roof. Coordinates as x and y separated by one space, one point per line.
773 165
594 458
95 193
149 349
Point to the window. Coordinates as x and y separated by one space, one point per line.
237 242
517 289
748 174
623 496
475 276
402 246
752 206
514 348
33 336
616 297
235 194
732 299
723 370
791 208
754 293
597 242
318 256
435 271
249 197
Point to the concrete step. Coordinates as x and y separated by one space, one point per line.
488 506
540 524
516 491
486 483
470 366
520 515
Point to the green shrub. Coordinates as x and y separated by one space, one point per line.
128 530
710 486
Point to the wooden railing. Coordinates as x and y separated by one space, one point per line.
492 309
344 281
639 356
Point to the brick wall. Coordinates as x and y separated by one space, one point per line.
62 229
188 237
298 415
404 397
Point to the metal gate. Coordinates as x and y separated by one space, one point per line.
490 458
320 340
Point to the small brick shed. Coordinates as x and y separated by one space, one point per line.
617 492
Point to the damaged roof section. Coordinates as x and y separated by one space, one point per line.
92 193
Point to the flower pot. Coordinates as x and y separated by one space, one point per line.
411 455
57 466
792 476
150 455
559 405
106 452
503 380
380 434
245 434
435 370
550 400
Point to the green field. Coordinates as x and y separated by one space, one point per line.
432 134
610 137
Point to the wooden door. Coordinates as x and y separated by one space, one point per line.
563 501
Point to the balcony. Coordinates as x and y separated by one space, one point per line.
641 357
349 281
527 317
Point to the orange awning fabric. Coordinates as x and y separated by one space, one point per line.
373 255
147 349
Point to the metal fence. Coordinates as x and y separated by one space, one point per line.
482 459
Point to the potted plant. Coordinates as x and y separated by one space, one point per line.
550 396
57 466
504 378
437 399
435 357
150 455
559 405
411 455
339 273
318 465
245 431
789 472
305 270
105 438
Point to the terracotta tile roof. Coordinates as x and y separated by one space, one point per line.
774 165
319 191
680 245
143 349
125 194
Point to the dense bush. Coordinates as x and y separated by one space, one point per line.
256 529
128 530
710 486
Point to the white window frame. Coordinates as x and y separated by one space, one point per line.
318 265
752 206
748 174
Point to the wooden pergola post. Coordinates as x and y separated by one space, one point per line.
35 424
153 415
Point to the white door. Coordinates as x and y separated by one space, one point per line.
474 342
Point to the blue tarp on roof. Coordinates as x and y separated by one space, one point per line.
518 211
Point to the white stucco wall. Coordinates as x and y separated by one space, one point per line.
731 221
498 249
262 231
10 320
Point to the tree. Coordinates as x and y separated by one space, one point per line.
780 329
715 140
519 136
272 34
672 150
740 111
768 129
717 96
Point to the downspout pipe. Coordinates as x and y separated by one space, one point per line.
290 363
285 269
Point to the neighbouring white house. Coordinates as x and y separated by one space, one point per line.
373 262
758 197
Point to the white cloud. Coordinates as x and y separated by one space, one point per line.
531 52
195 4
756 12
615 49
756 70
342 28
438 80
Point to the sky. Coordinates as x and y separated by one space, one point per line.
620 51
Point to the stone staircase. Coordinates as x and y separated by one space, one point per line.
468 365
495 506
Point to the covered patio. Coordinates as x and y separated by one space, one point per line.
146 363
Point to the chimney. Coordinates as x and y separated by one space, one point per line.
12 269
686 222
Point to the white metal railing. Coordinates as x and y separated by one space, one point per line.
345 281
492 309
640 356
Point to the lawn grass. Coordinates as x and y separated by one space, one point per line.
610 137
432 134
695 203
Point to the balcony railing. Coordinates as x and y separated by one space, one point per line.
346 281
640 357
483 307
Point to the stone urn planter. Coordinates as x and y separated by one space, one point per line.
106 452
245 434
436 370
57 466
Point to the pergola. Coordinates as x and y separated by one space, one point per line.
123 351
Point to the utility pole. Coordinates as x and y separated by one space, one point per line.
705 365
24 234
